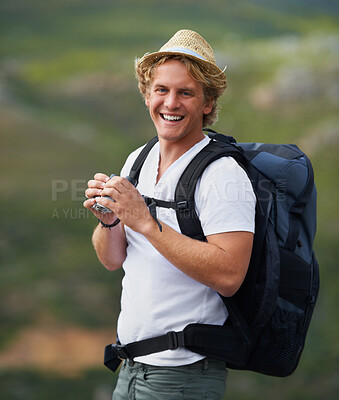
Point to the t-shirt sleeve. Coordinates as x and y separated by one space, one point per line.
224 197
125 170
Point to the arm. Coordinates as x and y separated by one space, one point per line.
221 263
109 244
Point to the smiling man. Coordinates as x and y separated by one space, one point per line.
172 280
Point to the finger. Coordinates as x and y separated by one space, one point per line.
89 203
112 193
101 177
89 193
119 183
95 184
106 202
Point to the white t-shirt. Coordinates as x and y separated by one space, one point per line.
156 296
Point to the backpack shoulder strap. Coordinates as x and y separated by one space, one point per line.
184 194
133 176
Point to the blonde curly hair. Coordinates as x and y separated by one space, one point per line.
213 84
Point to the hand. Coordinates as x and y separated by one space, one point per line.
95 188
129 206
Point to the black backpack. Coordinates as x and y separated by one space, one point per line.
270 314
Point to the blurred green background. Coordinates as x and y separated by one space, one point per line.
69 107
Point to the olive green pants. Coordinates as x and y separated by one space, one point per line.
205 379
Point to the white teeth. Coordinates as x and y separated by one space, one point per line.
172 117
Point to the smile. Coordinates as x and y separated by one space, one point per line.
167 117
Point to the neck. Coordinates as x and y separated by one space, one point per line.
170 151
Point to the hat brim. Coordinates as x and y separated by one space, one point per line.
150 58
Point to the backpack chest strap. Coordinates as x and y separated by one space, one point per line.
185 211
175 205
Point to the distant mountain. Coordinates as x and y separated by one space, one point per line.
302 7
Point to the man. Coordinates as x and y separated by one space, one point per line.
170 279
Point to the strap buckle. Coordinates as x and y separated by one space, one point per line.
120 351
182 205
172 340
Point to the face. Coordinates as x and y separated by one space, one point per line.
176 103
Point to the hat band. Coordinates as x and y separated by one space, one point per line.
184 51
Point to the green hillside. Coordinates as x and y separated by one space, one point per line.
69 107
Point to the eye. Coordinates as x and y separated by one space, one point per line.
161 90
186 93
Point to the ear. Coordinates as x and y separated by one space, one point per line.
208 106
147 101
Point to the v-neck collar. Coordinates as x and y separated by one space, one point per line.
198 145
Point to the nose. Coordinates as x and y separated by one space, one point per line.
171 101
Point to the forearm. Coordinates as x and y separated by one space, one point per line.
220 268
110 246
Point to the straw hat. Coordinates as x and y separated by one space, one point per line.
190 44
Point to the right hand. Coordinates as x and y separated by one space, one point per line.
95 187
